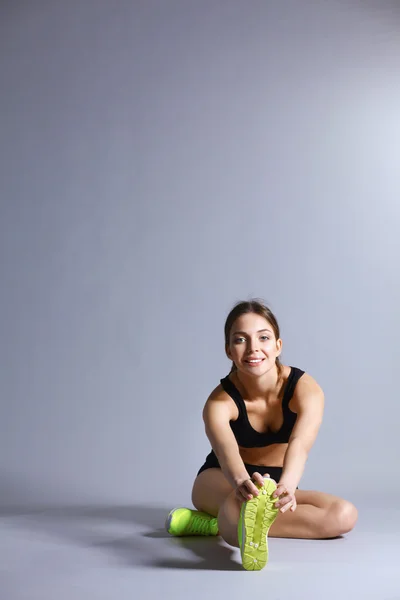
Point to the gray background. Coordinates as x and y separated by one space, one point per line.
161 160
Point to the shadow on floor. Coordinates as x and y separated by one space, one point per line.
132 535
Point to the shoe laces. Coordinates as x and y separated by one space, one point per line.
199 524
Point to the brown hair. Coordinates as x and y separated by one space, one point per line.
258 307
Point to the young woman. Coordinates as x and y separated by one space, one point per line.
262 421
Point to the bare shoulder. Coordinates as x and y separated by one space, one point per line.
220 404
307 391
307 384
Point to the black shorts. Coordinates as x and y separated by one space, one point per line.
212 463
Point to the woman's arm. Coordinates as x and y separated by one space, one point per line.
216 415
308 403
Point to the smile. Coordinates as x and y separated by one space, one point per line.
256 361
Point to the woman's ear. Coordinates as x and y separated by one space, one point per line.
228 352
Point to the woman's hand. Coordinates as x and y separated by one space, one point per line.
248 488
287 498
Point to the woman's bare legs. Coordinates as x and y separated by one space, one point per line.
228 519
317 516
214 493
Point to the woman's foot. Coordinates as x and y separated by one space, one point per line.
184 521
256 517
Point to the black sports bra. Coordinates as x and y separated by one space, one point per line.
246 436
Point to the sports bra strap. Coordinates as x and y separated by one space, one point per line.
293 378
234 393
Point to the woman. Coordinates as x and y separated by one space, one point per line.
262 421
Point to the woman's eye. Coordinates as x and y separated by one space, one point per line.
238 340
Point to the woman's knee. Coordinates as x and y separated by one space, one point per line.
210 490
340 519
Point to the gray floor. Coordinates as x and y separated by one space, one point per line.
115 553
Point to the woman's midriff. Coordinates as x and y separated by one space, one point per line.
268 456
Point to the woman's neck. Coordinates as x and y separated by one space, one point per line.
265 386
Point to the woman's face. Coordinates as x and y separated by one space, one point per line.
252 344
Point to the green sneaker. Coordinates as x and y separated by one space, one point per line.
256 517
184 521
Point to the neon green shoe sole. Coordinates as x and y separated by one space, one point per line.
256 518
